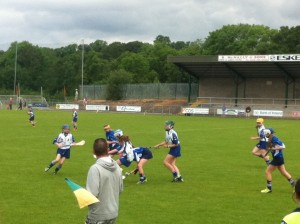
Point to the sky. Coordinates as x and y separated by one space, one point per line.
56 23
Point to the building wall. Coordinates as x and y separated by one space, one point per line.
251 88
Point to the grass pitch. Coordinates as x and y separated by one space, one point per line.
222 180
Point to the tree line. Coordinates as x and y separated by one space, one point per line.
134 62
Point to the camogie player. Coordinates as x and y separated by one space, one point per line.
31 117
172 142
112 141
275 146
75 119
260 148
130 153
63 141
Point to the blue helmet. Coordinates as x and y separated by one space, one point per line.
66 126
271 130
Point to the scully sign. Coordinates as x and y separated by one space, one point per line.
252 58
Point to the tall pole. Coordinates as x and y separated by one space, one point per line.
82 64
16 58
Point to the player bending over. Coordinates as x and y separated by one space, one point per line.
129 153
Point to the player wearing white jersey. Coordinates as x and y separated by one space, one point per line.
260 148
172 142
130 153
75 119
31 117
63 141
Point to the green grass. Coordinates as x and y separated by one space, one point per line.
222 179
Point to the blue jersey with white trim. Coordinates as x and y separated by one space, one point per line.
65 139
275 143
110 136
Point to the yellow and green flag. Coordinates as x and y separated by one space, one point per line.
83 196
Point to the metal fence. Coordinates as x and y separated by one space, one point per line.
144 91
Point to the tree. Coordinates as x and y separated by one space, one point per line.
288 39
239 39
115 84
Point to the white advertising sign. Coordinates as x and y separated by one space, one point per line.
268 113
129 108
253 58
195 110
243 58
97 107
67 106
235 112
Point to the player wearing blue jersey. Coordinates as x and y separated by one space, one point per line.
31 117
294 217
111 139
260 148
75 119
275 146
172 142
63 141
130 153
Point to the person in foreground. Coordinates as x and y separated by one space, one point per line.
104 180
275 146
294 217
172 142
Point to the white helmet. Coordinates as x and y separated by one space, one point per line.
267 132
118 133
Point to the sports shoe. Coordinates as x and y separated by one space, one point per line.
267 190
127 174
142 181
47 168
178 179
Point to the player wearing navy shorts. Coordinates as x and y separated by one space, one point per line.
275 146
75 119
31 117
172 142
130 153
63 141
260 148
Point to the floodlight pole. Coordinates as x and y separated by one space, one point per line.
82 65
16 58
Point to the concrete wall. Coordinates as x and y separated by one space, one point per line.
251 88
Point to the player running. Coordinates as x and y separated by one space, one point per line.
75 119
130 153
275 146
63 141
260 148
172 142
31 117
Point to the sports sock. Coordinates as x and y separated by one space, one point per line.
269 185
175 174
292 182
51 164
58 168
